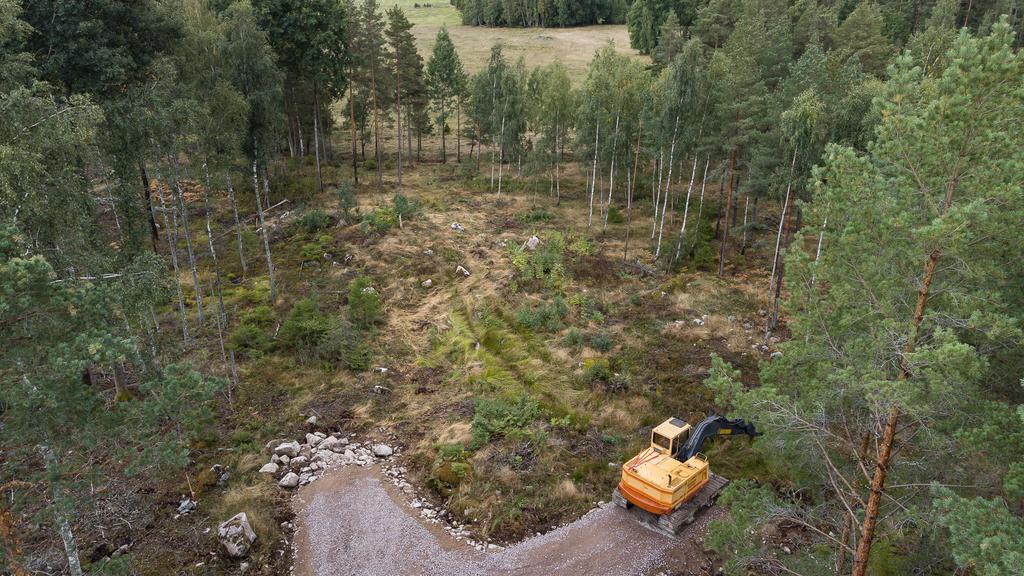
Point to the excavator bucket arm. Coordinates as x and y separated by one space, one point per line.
713 426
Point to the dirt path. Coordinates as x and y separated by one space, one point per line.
353 522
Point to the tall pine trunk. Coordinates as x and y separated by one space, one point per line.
593 178
352 124
700 207
867 533
398 123
724 246
444 125
148 197
316 138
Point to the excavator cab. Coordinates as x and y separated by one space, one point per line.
667 437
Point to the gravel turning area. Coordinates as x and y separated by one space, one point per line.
353 522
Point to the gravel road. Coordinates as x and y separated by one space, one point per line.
352 521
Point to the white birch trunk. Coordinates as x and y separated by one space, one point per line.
188 241
686 210
238 223
611 174
263 226
61 512
668 186
782 221
172 241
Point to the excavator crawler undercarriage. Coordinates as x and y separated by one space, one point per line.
672 523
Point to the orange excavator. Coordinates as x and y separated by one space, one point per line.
669 482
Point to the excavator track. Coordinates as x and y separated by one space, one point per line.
671 524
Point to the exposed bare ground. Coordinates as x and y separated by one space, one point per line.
353 521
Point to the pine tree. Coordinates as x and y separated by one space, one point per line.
889 379
445 80
407 68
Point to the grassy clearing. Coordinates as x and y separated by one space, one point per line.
538 46
511 389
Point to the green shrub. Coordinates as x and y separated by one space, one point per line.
546 317
380 220
304 327
262 316
314 220
348 210
601 341
597 370
249 340
363 303
615 216
404 207
574 338
344 345
635 300
546 264
498 417
535 215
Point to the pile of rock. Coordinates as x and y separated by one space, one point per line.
430 513
296 464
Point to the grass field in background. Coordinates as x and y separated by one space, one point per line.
538 46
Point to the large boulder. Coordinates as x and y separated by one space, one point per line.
237 535
289 449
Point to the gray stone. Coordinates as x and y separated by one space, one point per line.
427 283
289 449
290 480
461 270
311 420
382 450
313 439
298 462
237 535
186 505
270 468
532 243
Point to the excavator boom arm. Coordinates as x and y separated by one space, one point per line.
713 426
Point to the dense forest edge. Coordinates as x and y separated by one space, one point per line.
227 222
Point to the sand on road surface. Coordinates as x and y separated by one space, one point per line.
353 521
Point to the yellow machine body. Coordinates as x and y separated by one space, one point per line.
657 482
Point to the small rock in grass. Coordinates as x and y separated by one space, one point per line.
427 283
290 480
461 270
311 420
269 468
237 535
